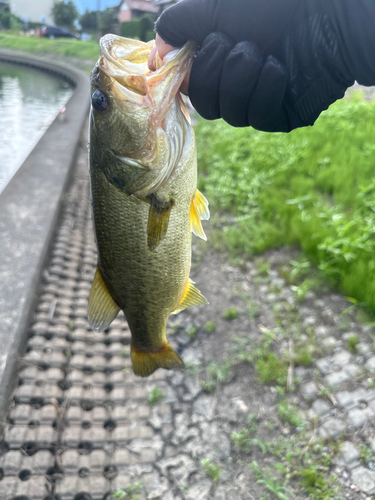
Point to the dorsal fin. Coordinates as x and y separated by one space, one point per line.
102 309
191 297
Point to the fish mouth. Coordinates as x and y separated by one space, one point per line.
125 62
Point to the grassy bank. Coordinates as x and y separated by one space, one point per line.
314 188
63 47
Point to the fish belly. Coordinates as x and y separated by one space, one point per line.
147 285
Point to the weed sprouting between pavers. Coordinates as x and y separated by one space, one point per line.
212 470
155 396
131 492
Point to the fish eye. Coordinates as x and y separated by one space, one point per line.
99 101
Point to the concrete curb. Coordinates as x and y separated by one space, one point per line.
29 209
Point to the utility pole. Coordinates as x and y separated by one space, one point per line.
97 20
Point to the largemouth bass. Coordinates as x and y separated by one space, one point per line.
145 201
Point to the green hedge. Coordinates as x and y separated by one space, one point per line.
139 28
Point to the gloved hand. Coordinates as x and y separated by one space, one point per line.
273 64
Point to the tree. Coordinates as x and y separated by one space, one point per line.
88 20
108 21
64 13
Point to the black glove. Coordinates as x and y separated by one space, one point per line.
273 64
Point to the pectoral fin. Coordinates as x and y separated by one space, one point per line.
102 309
199 211
191 297
145 363
158 219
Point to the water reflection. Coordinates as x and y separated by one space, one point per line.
29 101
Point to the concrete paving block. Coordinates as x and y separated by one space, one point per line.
98 486
70 460
352 370
332 428
78 361
141 432
348 456
99 415
335 379
324 365
154 485
74 415
8 487
309 390
117 378
116 363
321 408
33 488
123 458
118 395
29 374
364 479
341 358
27 394
60 330
98 378
67 488
96 460
11 462
20 414
356 418
39 463
122 481
76 377
370 363
16 436
72 436
140 412
120 414
46 415
116 348
147 455
75 394
44 436
121 434
199 490
345 399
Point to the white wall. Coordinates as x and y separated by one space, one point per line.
33 10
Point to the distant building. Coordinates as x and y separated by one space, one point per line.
161 5
35 11
130 9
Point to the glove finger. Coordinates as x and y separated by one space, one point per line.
204 85
187 20
266 110
239 77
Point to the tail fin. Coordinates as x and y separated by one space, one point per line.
145 363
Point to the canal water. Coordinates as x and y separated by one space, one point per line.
29 102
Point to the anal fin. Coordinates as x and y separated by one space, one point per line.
145 363
199 211
191 297
102 309
158 220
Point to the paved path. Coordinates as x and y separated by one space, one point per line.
80 426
